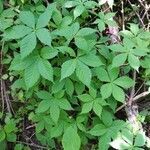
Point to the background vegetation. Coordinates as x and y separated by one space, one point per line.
75 75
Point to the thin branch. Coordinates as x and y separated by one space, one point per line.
123 18
132 90
33 145
142 23
136 98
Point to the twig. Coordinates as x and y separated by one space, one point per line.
136 98
1 73
31 126
142 23
132 90
139 89
123 19
33 145
6 98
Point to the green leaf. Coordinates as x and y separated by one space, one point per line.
119 143
81 43
97 108
78 11
91 60
57 86
28 44
48 52
134 28
101 25
31 75
85 97
87 107
104 141
79 88
140 139
1 6
119 97
10 126
106 90
69 87
134 62
57 130
83 73
64 104
68 68
11 137
113 73
127 135
54 111
27 18
45 69
102 74
71 139
17 32
119 60
2 135
45 17
124 82
117 48
98 130
39 126
43 106
107 118
43 94
57 17
44 36
70 4
85 31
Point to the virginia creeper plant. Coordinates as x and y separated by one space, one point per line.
67 79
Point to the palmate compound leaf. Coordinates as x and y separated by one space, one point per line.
27 18
45 69
68 67
83 73
44 36
28 44
71 139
